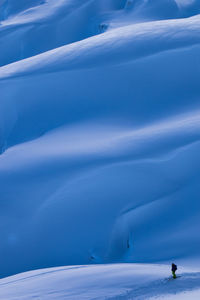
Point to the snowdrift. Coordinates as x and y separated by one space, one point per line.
99 132
120 281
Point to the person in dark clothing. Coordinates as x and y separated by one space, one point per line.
174 268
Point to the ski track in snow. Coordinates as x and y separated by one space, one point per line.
187 282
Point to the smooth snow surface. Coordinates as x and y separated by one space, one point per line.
99 133
116 282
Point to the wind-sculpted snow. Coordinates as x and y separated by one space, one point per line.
114 47
61 22
99 132
113 282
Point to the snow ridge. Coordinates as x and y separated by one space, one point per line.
99 133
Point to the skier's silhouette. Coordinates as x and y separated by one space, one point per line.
174 268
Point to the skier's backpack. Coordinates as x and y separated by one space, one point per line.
174 267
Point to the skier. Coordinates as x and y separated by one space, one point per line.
174 268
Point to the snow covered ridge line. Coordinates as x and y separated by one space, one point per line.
117 46
100 282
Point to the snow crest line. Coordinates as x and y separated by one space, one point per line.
113 47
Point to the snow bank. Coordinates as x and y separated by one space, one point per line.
114 47
99 136
120 281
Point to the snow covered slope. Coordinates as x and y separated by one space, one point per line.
99 132
120 281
